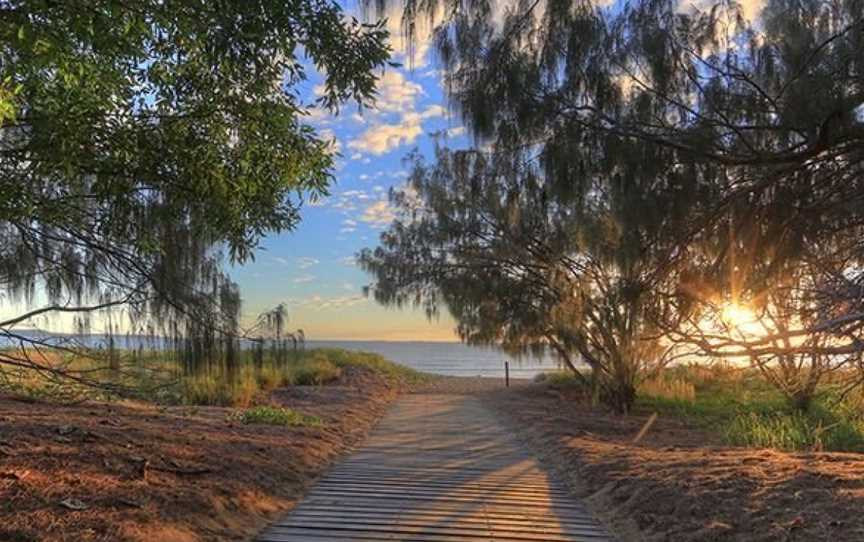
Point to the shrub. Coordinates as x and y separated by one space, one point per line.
315 372
374 362
219 391
564 379
271 415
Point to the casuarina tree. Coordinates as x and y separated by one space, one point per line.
141 142
758 104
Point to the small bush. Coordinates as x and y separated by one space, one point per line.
270 415
561 379
375 362
270 378
216 390
315 372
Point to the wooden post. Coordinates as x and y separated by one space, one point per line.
507 374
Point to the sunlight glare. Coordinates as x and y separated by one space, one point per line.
740 318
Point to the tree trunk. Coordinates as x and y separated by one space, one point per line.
620 397
801 401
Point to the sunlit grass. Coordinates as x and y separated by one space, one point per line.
821 430
675 389
744 410
315 371
345 359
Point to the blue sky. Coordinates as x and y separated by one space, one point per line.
312 268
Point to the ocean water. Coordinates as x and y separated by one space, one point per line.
445 358
452 359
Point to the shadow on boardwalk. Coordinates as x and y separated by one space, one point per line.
438 468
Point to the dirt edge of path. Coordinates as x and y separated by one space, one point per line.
679 483
100 472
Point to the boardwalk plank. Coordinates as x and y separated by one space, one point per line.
438 468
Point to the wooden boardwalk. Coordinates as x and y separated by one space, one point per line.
438 468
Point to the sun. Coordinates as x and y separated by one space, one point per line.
737 315
741 318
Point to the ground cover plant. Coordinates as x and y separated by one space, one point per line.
741 408
270 415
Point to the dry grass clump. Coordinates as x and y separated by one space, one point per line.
676 389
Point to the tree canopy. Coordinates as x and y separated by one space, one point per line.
141 141
737 143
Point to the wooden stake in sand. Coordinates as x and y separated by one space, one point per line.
645 428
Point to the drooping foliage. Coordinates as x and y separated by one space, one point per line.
522 265
143 142
760 122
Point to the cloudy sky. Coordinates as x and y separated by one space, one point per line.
312 268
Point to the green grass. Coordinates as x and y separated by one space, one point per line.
746 411
270 415
741 408
161 380
818 431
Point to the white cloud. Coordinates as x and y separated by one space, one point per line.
416 54
305 262
348 226
280 261
329 137
395 93
382 138
751 9
348 261
456 132
302 279
318 302
356 156
356 194
363 177
378 214
433 111
318 115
